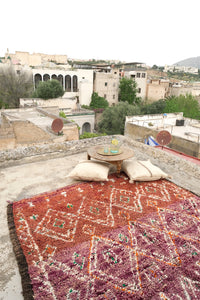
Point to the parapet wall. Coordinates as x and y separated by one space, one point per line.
51 150
184 173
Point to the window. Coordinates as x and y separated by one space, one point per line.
38 78
143 75
75 83
133 76
104 96
68 83
54 76
138 75
113 96
46 77
139 90
106 83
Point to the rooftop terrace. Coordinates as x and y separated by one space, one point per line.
29 171
190 128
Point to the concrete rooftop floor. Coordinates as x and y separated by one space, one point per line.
25 180
19 182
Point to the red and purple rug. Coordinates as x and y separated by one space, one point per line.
108 240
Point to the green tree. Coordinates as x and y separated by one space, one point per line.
155 67
98 102
186 104
49 89
14 86
113 118
128 91
156 107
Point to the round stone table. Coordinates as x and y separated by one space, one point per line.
97 152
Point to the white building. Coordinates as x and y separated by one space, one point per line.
77 84
176 68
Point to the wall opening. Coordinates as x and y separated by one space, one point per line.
86 127
68 83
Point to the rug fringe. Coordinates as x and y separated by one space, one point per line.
21 260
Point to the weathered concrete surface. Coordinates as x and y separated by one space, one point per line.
28 176
20 182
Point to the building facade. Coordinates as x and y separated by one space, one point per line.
35 59
106 84
185 89
140 76
77 84
177 68
158 89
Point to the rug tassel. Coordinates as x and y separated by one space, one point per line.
21 260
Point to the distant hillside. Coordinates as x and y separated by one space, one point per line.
190 62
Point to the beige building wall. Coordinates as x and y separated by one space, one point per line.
184 90
57 58
107 85
140 76
157 89
35 59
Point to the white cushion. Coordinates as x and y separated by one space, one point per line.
142 170
90 171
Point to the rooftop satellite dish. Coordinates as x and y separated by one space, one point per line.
57 125
163 138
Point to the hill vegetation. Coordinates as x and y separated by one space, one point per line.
184 76
190 62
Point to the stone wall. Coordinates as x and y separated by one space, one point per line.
7 142
28 133
7 136
70 132
46 151
182 172
141 151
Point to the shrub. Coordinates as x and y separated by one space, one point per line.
49 89
62 114
87 135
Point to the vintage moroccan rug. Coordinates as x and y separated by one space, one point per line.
109 240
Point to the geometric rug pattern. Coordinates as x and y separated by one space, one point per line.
109 240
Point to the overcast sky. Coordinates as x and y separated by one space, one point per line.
149 31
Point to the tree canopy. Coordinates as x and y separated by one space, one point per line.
49 89
186 104
156 107
128 91
14 86
98 102
113 118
